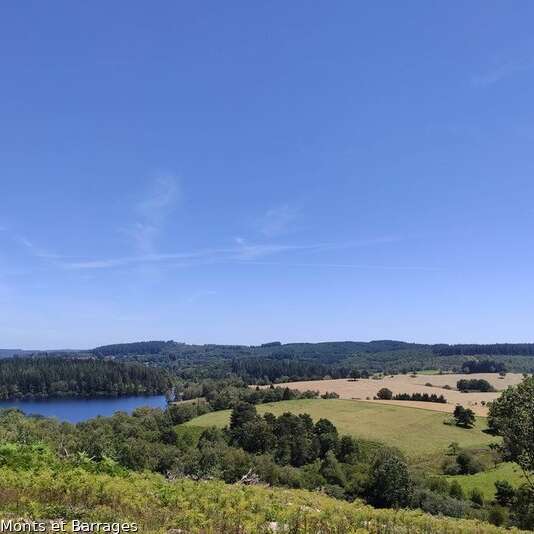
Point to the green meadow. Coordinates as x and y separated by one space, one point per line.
485 481
416 432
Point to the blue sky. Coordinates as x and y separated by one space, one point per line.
243 172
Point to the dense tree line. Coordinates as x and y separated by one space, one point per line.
483 366
474 384
221 395
48 377
139 347
387 394
266 370
521 349
277 362
420 397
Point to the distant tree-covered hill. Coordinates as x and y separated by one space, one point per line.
49 377
275 361
278 362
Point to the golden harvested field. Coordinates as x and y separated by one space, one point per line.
366 389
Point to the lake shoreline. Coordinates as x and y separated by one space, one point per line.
78 409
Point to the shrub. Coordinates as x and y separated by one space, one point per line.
468 464
476 497
438 504
456 491
385 394
330 395
504 493
498 516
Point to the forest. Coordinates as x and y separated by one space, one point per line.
277 362
52 377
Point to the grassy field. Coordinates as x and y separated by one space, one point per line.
416 432
486 481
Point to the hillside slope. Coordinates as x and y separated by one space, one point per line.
48 489
414 431
300 361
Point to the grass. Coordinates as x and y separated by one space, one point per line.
416 432
198 400
485 481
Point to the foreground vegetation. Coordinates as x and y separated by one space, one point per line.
36 484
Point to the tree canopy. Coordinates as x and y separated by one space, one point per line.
48 377
512 417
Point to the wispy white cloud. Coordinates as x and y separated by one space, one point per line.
277 220
501 71
33 249
346 266
152 213
242 252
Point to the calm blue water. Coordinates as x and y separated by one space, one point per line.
75 410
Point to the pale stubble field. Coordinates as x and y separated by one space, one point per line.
366 389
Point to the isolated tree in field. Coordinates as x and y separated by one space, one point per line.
512 417
385 394
464 417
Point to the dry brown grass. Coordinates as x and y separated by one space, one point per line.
366 389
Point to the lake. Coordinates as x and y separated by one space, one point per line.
76 410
